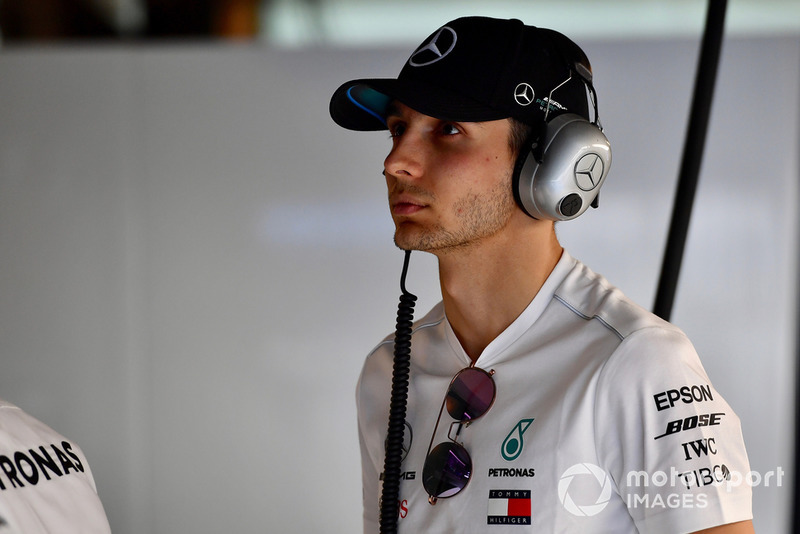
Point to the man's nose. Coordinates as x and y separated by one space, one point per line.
406 157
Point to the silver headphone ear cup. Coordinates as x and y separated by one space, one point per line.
575 163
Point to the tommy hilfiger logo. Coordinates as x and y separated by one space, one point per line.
509 507
512 445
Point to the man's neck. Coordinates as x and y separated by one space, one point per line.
485 288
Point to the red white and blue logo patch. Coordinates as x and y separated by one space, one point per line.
509 507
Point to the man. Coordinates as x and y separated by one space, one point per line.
46 485
569 408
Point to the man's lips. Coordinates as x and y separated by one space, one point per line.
405 205
406 208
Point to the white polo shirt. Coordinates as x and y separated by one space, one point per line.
46 485
604 422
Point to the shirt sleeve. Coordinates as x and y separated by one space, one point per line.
372 406
370 487
669 440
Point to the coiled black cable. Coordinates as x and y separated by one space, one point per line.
390 496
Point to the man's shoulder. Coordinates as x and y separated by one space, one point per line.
590 295
20 431
424 325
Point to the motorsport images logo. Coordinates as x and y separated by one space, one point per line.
584 489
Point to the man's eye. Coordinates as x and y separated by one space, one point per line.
396 130
450 129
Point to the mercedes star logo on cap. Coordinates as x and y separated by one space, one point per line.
437 48
523 94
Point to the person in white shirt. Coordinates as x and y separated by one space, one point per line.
46 486
540 398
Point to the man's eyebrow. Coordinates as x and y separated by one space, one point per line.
395 111
392 109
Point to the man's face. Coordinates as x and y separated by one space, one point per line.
449 182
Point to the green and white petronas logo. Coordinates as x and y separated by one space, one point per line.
512 445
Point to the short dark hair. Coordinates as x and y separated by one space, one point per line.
520 133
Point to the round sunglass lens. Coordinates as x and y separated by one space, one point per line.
447 470
470 395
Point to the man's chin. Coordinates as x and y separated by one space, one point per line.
420 243
407 244
405 238
415 237
403 244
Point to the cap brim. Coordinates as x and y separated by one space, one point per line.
362 104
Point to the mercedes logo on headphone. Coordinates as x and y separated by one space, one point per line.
524 94
441 44
589 171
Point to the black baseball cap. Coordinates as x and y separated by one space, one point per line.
476 69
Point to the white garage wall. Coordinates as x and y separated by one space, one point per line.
194 261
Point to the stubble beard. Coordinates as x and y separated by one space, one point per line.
480 217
